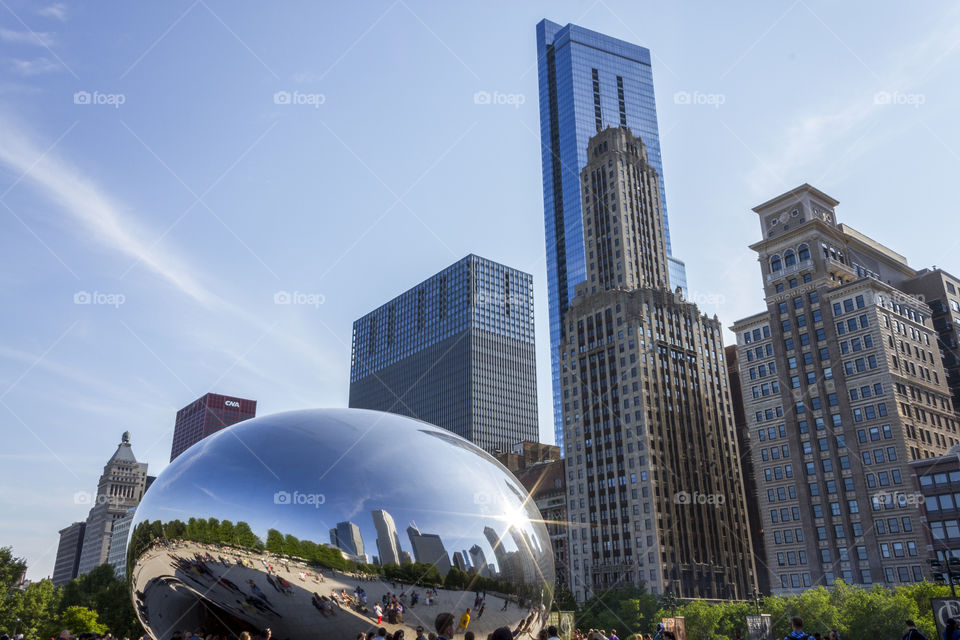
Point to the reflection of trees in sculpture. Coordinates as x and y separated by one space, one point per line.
225 532
209 531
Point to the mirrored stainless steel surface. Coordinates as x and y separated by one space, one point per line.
319 523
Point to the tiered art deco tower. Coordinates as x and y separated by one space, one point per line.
656 493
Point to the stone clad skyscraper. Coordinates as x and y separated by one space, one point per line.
656 495
843 385
121 487
457 351
588 81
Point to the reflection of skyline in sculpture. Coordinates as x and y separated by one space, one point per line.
249 516
479 560
496 543
526 572
428 547
458 561
346 537
388 542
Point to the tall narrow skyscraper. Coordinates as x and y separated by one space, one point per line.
588 81
656 494
457 351
121 486
68 553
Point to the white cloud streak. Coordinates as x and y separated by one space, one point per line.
96 212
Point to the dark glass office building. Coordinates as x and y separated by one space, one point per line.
206 415
588 82
457 351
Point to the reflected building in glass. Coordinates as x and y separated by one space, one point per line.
388 541
457 350
588 82
346 537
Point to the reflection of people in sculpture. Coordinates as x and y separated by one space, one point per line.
444 625
464 621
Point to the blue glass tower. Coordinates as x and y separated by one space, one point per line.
588 81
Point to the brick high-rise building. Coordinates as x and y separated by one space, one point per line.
941 292
656 495
206 415
843 386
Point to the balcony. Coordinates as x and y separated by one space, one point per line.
788 271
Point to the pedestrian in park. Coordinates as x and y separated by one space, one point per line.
465 621
912 633
796 623
444 625
951 632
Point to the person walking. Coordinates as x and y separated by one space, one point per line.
378 611
912 633
951 632
465 621
796 623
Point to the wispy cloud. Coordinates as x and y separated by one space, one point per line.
36 38
96 211
35 67
57 11
812 137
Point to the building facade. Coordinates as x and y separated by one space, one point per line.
655 492
843 385
388 542
121 487
456 351
117 556
750 484
428 547
938 482
544 480
68 553
941 292
207 415
588 82
346 537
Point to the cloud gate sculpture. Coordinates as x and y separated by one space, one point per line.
331 522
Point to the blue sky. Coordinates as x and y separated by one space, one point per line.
147 160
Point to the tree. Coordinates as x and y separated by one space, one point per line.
564 600
103 592
32 611
629 610
274 541
456 579
11 570
81 620
38 609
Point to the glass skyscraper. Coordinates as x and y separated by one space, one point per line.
588 82
457 351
